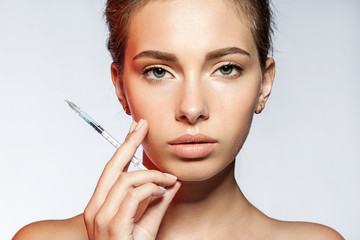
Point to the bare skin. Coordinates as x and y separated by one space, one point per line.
201 86
240 221
74 229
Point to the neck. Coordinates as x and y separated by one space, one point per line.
222 185
205 204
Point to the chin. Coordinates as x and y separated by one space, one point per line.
195 170
188 169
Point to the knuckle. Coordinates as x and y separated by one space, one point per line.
132 193
100 222
113 227
148 188
153 187
88 215
123 178
127 137
130 141
109 165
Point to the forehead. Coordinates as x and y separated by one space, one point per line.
195 26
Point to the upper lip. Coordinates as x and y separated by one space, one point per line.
188 139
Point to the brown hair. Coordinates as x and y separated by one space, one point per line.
257 12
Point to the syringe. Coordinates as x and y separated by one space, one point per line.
101 130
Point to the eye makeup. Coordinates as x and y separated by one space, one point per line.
229 71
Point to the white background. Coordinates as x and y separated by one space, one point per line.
301 159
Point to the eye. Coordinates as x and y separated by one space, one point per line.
156 73
159 72
229 70
226 70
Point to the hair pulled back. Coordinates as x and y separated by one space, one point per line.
257 13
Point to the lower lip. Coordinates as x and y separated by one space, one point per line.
198 150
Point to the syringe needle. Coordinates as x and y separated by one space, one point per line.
102 131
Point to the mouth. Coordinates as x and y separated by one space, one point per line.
192 146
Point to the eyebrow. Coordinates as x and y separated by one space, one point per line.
157 55
209 56
225 51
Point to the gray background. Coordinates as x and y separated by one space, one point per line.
300 162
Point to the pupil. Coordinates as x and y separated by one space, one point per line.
159 72
226 70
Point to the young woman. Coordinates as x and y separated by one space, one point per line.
191 73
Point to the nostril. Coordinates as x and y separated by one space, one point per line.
192 107
192 118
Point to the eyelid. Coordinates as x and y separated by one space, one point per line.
152 67
146 70
237 67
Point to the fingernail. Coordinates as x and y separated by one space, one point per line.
132 128
163 189
139 124
170 176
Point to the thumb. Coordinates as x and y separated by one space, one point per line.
151 220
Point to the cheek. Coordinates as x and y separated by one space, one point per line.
144 102
231 111
236 115
154 105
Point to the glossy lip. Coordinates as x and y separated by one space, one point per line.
192 146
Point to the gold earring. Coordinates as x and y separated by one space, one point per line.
257 111
127 110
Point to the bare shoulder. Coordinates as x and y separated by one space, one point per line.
305 230
67 229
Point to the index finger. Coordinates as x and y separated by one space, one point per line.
119 162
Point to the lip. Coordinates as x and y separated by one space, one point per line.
192 146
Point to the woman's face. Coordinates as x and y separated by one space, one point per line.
192 71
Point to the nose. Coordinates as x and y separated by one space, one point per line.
192 106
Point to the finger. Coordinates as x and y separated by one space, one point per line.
127 181
132 128
120 159
113 169
123 223
152 218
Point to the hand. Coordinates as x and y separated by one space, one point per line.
113 211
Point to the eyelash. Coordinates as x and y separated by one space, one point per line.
152 68
235 66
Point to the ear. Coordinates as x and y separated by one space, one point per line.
266 84
118 84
